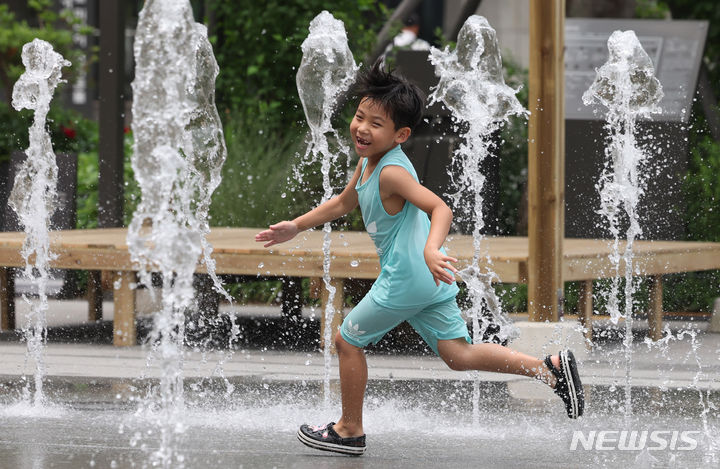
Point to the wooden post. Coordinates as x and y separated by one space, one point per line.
124 333
94 296
546 159
655 314
338 303
7 299
585 308
111 85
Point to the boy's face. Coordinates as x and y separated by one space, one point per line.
373 131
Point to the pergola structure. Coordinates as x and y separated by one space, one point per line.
546 160
546 156
546 147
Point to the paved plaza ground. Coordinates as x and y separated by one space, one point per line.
418 412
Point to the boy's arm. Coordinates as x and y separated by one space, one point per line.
395 180
336 207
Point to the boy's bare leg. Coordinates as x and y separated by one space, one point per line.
353 379
459 355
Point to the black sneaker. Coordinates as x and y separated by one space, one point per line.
326 439
568 385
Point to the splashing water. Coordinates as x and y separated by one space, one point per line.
34 193
326 71
472 87
627 87
178 155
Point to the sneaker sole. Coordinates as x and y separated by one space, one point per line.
335 448
567 361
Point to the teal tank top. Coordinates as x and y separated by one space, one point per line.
405 280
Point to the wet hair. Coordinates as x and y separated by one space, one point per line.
402 100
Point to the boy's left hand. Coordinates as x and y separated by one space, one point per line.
438 262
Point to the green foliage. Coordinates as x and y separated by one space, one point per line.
703 10
55 28
651 9
256 187
703 191
69 131
513 297
267 179
513 154
692 291
256 291
257 45
696 291
87 189
14 134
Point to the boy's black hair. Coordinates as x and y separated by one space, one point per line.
401 99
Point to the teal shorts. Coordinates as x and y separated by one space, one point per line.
368 322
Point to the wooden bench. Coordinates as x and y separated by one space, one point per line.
353 256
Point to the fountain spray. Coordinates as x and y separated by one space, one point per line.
178 155
472 87
34 193
326 71
627 87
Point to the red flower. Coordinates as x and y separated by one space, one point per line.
126 130
69 132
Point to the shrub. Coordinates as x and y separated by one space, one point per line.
87 191
257 186
56 28
257 45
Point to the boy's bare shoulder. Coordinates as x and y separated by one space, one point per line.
395 173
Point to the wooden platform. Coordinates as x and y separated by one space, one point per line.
236 252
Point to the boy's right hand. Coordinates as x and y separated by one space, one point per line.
278 233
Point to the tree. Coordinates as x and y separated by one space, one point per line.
692 9
55 28
257 45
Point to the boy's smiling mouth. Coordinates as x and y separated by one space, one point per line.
362 142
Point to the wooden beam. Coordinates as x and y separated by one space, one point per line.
124 333
546 159
7 298
585 309
655 313
94 296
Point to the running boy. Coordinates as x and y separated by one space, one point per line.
416 282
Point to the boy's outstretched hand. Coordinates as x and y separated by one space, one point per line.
278 233
437 262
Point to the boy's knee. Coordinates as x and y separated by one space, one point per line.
341 345
453 354
454 363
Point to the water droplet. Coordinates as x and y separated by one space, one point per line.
354 263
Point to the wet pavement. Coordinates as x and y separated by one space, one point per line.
418 413
409 423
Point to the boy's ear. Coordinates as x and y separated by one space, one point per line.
402 135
